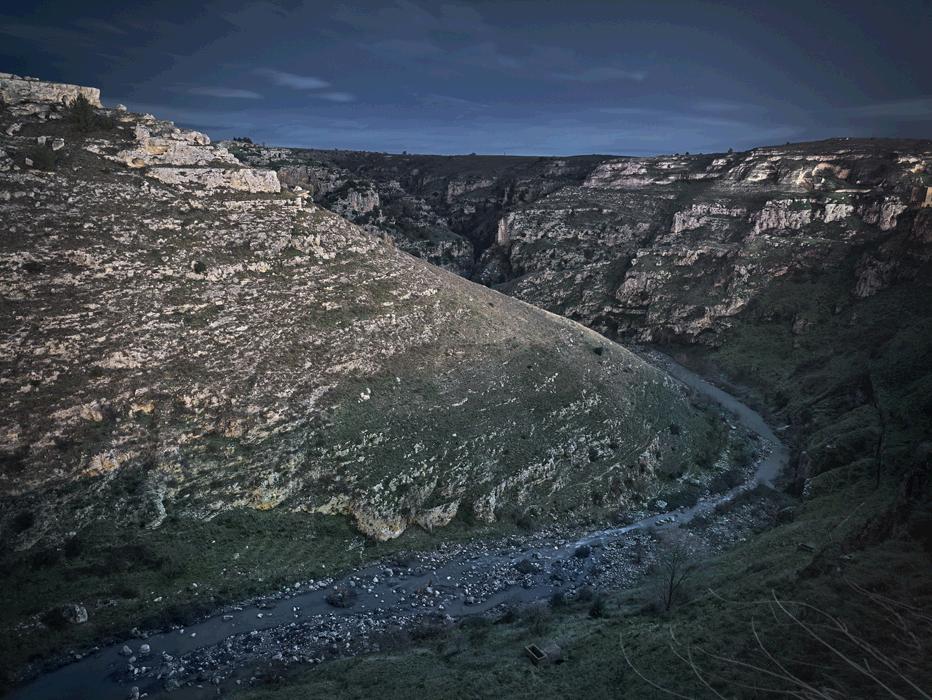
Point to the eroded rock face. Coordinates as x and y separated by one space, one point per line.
445 209
673 249
188 159
669 248
31 96
180 337
206 179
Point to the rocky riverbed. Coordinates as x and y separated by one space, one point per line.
384 605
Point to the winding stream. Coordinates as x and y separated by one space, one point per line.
444 588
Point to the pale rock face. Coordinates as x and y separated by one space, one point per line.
26 96
874 275
783 215
666 247
837 211
460 187
357 202
884 214
173 147
243 180
713 216
501 235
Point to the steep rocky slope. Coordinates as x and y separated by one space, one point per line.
182 337
672 249
664 248
445 209
800 270
802 274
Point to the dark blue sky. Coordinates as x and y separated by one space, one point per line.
495 77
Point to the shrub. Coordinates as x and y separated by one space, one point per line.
726 481
676 563
74 547
509 615
48 556
743 454
54 619
598 607
684 498
537 617
84 117
23 521
81 113
43 157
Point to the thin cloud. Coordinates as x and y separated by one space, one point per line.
435 100
917 108
602 74
725 106
225 93
293 80
99 25
336 96
406 48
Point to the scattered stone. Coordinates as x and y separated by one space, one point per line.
786 515
74 614
526 566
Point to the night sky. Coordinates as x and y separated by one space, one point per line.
495 77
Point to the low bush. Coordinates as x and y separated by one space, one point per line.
536 618
598 608
42 158
84 117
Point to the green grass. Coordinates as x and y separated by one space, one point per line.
120 574
858 359
492 664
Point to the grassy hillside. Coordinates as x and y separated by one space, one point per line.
209 378
830 594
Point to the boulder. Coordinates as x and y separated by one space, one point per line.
74 614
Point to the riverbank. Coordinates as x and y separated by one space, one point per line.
300 626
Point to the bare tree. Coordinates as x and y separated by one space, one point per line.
676 562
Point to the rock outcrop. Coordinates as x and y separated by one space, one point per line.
445 209
668 248
180 337
24 96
